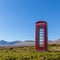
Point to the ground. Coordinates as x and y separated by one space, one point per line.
29 53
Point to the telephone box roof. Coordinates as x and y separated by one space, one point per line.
41 22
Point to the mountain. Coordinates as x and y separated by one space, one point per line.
2 42
25 43
17 43
5 43
14 42
55 42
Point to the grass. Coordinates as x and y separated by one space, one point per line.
29 53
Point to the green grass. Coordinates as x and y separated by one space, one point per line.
29 53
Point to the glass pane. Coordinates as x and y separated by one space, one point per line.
41 37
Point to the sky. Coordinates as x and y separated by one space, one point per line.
18 18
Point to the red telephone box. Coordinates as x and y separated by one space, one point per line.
41 36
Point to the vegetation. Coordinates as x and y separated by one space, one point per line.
29 53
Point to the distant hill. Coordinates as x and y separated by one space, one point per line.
55 42
25 43
5 43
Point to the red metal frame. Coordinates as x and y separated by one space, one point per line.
38 25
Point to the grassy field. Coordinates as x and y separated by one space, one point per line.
29 53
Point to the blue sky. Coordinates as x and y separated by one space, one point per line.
18 18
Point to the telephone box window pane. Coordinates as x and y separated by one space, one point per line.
41 37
